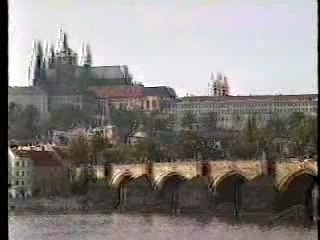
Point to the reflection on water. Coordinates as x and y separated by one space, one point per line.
138 226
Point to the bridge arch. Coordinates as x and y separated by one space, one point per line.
119 178
297 189
287 180
225 175
162 179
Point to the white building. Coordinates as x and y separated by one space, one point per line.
20 175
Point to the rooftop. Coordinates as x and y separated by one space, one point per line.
308 97
160 91
40 158
25 91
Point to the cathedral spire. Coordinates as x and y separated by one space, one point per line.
45 59
51 57
39 54
88 55
32 64
62 42
85 58
82 54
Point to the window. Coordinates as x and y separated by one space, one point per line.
154 104
22 173
17 173
22 182
22 163
17 163
17 183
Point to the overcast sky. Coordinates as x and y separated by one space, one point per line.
263 46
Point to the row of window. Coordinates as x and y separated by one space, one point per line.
22 163
22 173
253 110
183 105
21 183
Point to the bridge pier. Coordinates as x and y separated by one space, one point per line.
122 196
238 200
311 204
175 202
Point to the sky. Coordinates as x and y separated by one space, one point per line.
262 46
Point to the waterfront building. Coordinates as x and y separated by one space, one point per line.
47 174
20 173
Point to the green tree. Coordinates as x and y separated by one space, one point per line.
67 115
79 150
190 144
97 144
188 120
118 154
126 119
209 120
23 123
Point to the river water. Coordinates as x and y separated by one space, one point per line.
149 227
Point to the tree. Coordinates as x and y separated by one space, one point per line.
188 120
209 120
118 154
190 144
23 123
126 119
67 116
79 150
97 144
31 116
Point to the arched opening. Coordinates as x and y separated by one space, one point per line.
299 189
258 194
194 195
228 192
167 195
139 193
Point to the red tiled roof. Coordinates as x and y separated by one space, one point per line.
120 91
61 152
40 158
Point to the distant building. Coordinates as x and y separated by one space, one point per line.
61 71
66 76
232 112
25 96
136 98
218 85
137 136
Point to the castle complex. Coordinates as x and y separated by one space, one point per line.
59 76
64 77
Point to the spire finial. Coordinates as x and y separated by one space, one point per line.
60 40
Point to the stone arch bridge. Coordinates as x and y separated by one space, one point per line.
248 184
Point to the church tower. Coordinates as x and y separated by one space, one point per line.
85 57
218 85
63 54
35 62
